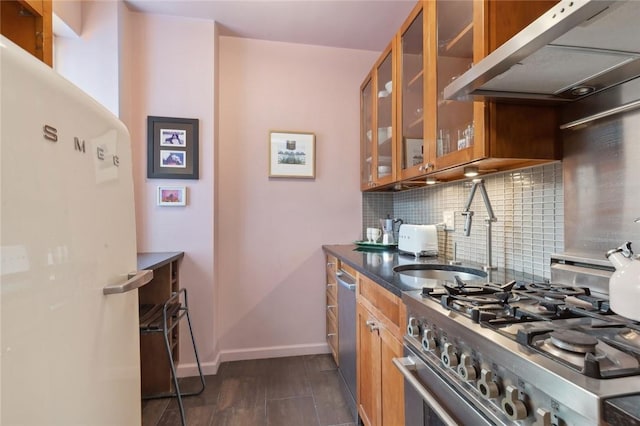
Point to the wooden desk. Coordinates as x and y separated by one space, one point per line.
155 370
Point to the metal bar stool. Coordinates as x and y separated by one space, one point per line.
173 310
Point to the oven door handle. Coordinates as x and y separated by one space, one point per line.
406 366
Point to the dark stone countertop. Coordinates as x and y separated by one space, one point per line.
158 259
378 265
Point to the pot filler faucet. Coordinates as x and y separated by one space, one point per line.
479 183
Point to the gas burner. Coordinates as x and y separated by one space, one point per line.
588 350
482 300
573 341
469 307
461 287
555 291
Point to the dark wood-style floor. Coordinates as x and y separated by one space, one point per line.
300 391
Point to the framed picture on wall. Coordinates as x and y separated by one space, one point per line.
292 154
172 196
172 148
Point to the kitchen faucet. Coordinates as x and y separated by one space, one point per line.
479 183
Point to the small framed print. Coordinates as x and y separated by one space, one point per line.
171 158
172 148
172 196
173 137
292 154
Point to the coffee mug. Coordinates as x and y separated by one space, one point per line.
375 234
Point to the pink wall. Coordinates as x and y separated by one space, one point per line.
253 261
171 73
270 264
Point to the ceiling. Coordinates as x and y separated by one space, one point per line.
353 24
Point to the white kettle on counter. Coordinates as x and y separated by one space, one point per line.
624 284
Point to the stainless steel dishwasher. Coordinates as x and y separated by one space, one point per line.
347 336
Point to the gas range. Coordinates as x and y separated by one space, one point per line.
531 353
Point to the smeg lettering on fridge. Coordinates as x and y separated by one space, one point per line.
50 133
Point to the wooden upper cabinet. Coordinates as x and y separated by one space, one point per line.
28 23
436 137
378 128
488 135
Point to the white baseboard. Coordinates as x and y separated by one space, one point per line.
191 369
211 367
273 352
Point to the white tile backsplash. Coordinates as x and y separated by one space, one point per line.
528 203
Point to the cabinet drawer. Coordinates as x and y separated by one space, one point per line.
332 333
332 296
331 268
348 269
332 341
332 324
387 305
332 310
332 291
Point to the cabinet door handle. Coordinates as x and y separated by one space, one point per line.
331 307
373 326
331 335
425 167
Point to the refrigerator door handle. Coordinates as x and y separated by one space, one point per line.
135 280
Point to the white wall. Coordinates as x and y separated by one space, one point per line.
269 257
91 61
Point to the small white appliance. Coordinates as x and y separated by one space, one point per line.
69 305
419 240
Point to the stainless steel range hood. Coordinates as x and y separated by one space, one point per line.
577 48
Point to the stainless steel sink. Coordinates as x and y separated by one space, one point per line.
424 275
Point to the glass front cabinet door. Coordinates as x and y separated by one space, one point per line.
378 115
413 157
455 125
366 134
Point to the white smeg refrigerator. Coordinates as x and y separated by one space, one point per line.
69 301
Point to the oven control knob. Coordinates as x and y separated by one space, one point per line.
428 340
486 386
449 356
543 417
413 328
512 406
466 370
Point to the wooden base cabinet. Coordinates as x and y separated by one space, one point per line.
380 385
332 306
155 370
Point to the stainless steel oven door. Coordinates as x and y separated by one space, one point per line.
430 400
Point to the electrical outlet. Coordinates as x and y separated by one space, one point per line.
448 217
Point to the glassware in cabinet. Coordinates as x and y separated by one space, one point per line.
454 36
